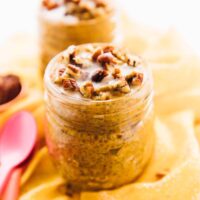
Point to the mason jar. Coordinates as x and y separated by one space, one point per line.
56 32
99 145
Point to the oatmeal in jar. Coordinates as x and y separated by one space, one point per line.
99 116
67 22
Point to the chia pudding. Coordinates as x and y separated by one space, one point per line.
66 22
99 110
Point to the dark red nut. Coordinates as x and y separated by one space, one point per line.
99 75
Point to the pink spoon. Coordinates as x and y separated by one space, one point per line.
16 144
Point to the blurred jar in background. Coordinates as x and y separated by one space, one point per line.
66 22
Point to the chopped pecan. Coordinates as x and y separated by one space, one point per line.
103 96
72 1
123 86
117 73
100 3
106 58
73 70
50 4
87 89
137 79
10 87
121 56
96 54
108 49
70 84
59 76
99 75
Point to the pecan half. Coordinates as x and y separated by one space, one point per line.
100 3
10 87
96 54
118 54
70 84
99 75
73 70
137 79
108 49
106 58
50 4
87 89
123 86
117 73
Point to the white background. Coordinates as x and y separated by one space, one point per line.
20 16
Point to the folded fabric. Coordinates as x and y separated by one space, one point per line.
173 173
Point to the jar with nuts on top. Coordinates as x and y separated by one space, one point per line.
70 22
99 110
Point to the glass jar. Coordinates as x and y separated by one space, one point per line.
99 145
56 33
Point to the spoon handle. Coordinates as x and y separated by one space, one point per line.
4 175
12 189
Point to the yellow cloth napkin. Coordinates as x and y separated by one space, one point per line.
173 173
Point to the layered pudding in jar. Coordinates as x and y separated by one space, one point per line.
99 110
66 22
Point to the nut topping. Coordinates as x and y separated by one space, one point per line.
70 84
123 86
50 4
137 79
117 73
87 89
99 75
100 3
102 72
73 70
96 54
106 58
108 49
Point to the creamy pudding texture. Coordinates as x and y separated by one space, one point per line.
98 72
76 10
